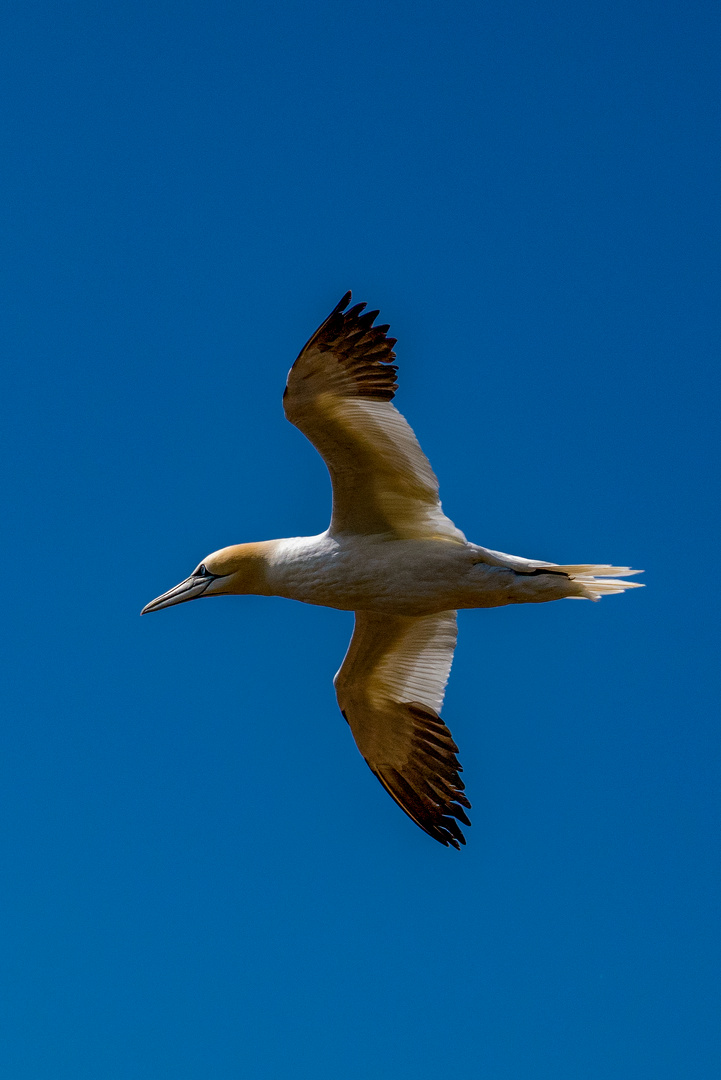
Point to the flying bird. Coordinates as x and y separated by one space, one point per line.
394 558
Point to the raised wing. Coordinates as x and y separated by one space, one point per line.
339 394
390 690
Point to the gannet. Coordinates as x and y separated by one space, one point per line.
394 558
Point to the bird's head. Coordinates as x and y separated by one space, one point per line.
241 568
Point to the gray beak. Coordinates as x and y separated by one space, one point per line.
189 589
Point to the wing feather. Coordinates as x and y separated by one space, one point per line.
339 394
390 689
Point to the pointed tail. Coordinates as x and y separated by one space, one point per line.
598 581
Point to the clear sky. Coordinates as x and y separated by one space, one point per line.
201 880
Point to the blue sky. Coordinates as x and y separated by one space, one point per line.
201 878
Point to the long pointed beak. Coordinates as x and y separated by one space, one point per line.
189 589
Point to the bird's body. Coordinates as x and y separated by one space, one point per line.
403 577
392 556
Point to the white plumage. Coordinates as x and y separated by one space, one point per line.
391 555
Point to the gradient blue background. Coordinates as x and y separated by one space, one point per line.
200 877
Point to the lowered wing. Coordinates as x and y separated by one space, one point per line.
390 689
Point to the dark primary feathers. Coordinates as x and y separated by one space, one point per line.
429 787
362 349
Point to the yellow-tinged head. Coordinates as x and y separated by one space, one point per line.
239 569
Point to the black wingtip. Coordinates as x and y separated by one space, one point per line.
428 788
363 348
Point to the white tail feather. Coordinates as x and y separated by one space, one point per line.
594 587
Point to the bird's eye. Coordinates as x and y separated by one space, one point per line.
202 571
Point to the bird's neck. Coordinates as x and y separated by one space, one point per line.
245 567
